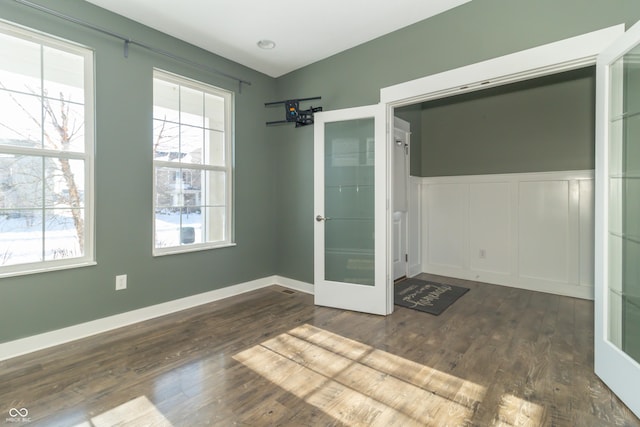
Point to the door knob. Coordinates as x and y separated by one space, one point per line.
320 218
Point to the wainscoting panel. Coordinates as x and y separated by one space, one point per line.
490 227
587 237
531 231
445 242
543 226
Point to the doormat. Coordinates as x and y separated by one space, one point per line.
429 297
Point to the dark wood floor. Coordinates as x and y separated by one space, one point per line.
497 357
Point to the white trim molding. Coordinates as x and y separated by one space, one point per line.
531 230
45 340
563 55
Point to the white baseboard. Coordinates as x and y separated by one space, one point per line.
294 284
557 288
33 343
414 270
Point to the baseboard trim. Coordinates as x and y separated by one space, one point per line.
529 284
296 285
45 340
414 270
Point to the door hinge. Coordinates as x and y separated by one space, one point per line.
406 257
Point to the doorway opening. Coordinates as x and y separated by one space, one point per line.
488 154
565 55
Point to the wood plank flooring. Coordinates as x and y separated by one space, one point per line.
497 357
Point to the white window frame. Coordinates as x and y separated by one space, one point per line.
88 259
228 168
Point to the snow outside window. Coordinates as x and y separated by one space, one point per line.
46 152
193 165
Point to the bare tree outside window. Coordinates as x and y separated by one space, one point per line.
54 178
43 150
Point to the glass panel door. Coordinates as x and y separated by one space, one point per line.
617 258
624 204
350 189
349 201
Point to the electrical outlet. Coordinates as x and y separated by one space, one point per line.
121 282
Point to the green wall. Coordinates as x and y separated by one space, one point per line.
274 166
543 124
476 31
37 303
540 125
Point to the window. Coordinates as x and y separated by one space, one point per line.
46 152
192 156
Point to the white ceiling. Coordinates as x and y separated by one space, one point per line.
304 31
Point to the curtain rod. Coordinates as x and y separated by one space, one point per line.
128 41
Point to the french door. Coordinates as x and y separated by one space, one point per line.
617 258
351 263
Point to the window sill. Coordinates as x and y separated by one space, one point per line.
188 249
46 269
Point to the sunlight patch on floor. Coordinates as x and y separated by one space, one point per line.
137 412
358 384
518 412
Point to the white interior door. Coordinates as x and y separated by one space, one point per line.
617 258
400 183
351 208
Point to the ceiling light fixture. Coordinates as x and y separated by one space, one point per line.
266 44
